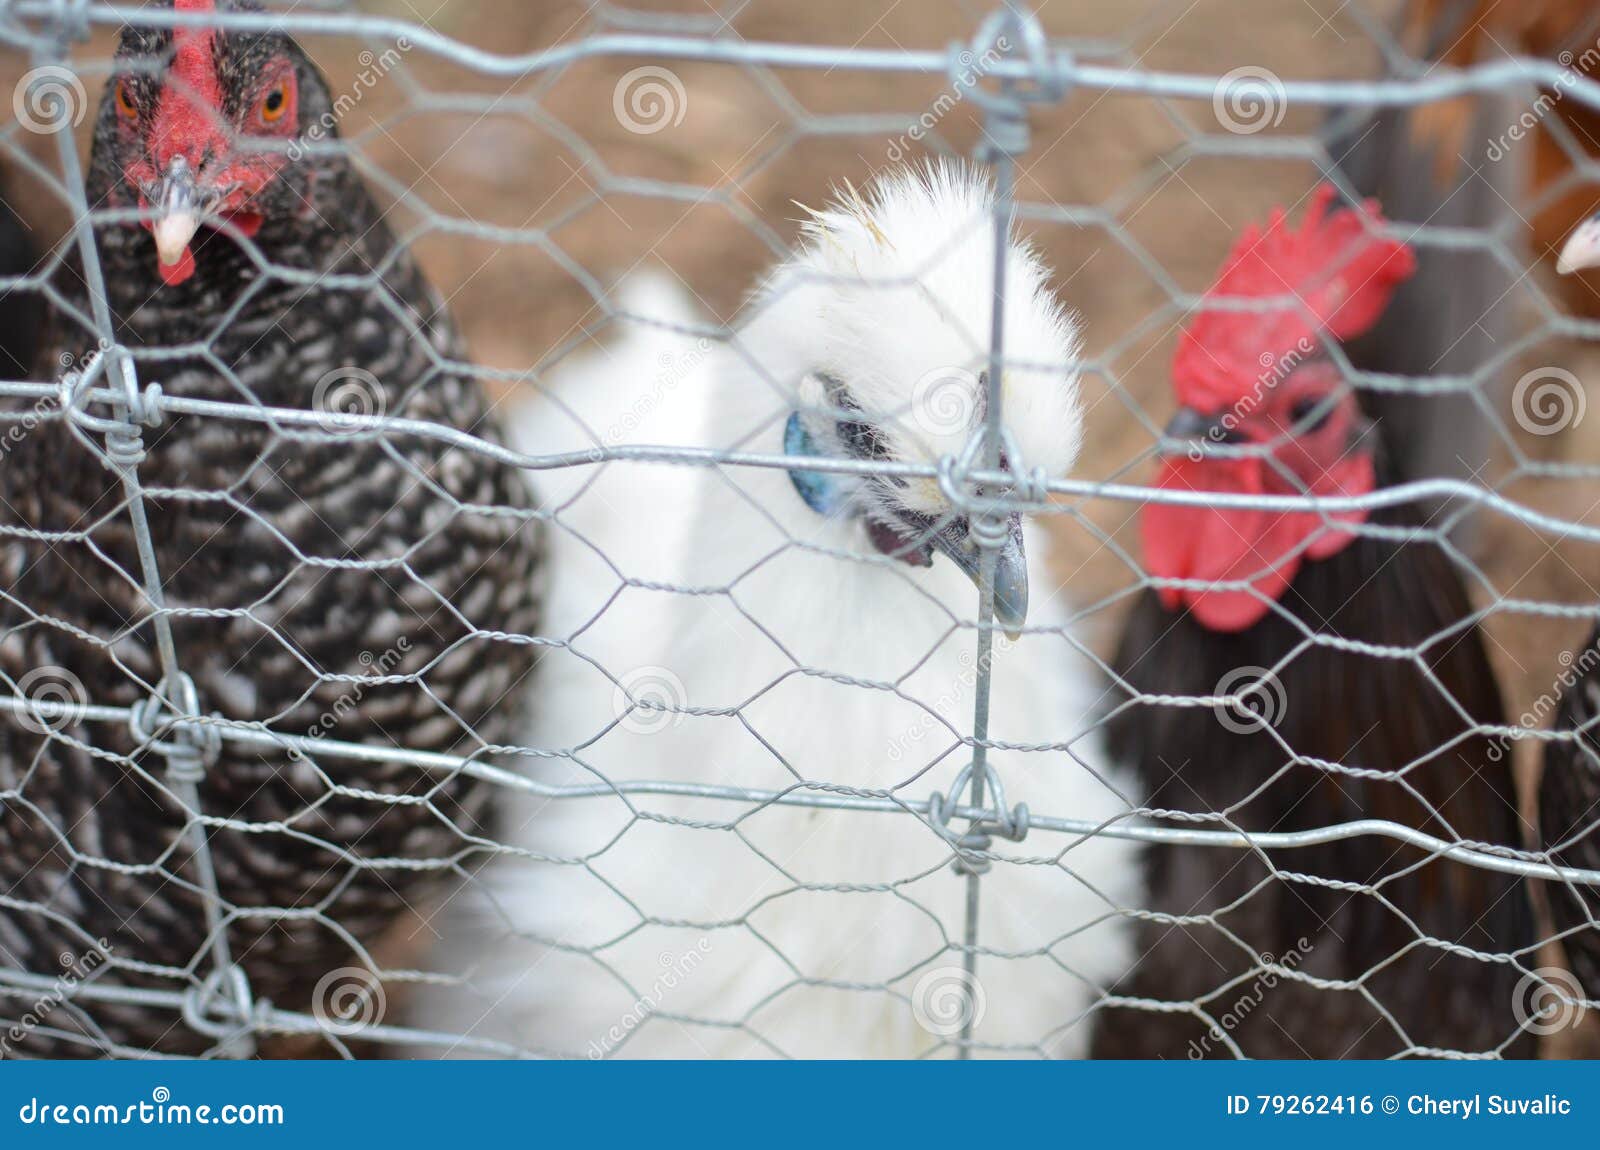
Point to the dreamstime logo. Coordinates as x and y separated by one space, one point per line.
374 67
1548 400
345 394
1548 1000
74 363
675 970
1574 669
1274 370
76 969
57 700
674 369
375 668
945 401
1250 699
17 427
947 1000
648 99
1248 99
648 700
48 99
348 1000
945 707
1245 1005
1523 125
972 70
160 1110
16 431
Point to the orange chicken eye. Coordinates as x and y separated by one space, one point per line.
274 103
125 105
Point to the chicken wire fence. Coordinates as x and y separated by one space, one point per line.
114 399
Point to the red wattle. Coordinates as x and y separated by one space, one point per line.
248 223
1212 545
1352 475
174 274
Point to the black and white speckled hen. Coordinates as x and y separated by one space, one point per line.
370 589
1368 675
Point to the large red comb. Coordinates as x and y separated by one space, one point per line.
192 62
1336 265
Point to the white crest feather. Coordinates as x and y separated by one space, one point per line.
892 292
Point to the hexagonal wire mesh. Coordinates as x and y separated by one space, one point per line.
178 728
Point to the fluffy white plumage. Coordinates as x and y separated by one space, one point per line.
753 930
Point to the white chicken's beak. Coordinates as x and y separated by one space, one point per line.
1010 572
1011 588
1582 249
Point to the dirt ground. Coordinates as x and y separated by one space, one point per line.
709 196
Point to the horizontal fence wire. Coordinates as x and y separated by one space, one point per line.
1057 69
355 424
1489 856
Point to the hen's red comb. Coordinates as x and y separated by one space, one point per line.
1337 266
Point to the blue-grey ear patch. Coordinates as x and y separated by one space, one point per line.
823 493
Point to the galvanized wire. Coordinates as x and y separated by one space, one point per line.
117 396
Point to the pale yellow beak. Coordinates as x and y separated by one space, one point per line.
1582 249
173 234
181 208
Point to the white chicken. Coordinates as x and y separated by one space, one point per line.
802 632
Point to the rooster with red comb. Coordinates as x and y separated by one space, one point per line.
1350 642
364 588
1260 379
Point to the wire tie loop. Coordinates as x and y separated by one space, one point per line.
1008 824
191 750
222 1007
988 515
1012 34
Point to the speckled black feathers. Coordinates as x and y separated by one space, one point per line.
367 589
